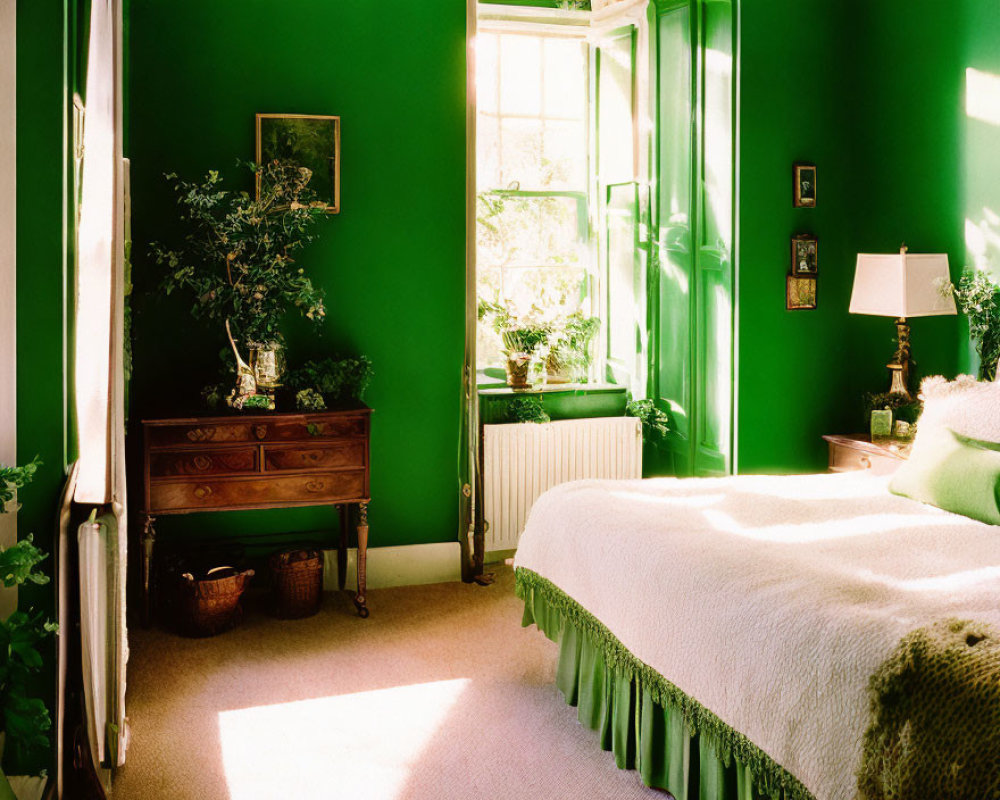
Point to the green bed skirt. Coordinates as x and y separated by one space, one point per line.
649 724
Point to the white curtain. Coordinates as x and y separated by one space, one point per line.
99 336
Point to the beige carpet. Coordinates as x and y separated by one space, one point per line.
439 694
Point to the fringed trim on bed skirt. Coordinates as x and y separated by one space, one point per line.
733 766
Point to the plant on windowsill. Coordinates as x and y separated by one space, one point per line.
525 344
238 264
24 720
978 297
570 355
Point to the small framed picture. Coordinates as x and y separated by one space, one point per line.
805 255
804 185
800 293
304 140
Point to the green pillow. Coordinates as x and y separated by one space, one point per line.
954 473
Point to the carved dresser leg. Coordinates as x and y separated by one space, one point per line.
360 601
148 540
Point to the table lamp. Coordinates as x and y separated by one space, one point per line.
901 285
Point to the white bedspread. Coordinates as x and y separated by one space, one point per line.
769 600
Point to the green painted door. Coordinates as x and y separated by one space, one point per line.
692 375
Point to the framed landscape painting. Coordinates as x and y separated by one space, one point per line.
305 140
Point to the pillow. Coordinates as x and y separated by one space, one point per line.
954 473
966 406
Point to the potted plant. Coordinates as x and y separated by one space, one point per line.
24 720
526 344
238 264
570 354
978 296
330 380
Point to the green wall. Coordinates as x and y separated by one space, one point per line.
392 262
839 85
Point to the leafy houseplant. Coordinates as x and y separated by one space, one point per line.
655 423
978 296
25 720
237 261
570 355
330 380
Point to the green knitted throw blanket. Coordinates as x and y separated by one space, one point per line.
935 717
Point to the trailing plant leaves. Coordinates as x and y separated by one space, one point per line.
18 562
655 423
526 409
14 478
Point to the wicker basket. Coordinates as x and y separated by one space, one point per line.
211 605
298 582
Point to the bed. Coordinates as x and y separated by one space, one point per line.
720 634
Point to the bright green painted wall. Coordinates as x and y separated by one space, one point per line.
40 94
392 262
886 141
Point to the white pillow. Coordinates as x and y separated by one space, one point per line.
966 406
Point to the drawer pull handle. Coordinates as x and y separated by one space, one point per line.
202 492
866 463
315 486
261 431
202 462
314 456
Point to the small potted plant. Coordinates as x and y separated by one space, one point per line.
24 720
238 264
570 354
526 344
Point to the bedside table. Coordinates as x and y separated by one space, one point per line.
858 452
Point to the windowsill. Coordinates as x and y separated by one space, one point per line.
560 400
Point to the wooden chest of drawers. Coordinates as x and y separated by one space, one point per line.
858 452
275 460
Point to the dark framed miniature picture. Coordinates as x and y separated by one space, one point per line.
804 185
800 293
805 255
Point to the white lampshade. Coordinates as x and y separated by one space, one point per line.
901 284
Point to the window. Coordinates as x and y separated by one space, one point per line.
533 230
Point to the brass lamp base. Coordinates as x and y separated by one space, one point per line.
899 367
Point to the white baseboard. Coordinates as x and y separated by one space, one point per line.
406 565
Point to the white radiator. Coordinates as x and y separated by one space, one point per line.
521 461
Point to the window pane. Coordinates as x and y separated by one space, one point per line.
520 67
529 231
564 156
487 153
565 79
486 72
521 153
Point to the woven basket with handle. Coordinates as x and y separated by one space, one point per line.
212 604
298 582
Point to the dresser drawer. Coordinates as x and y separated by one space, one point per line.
271 492
305 429
848 459
295 458
206 433
189 461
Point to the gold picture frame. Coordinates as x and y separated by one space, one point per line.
804 193
800 293
305 140
805 255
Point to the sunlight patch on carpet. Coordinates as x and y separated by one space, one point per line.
355 745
